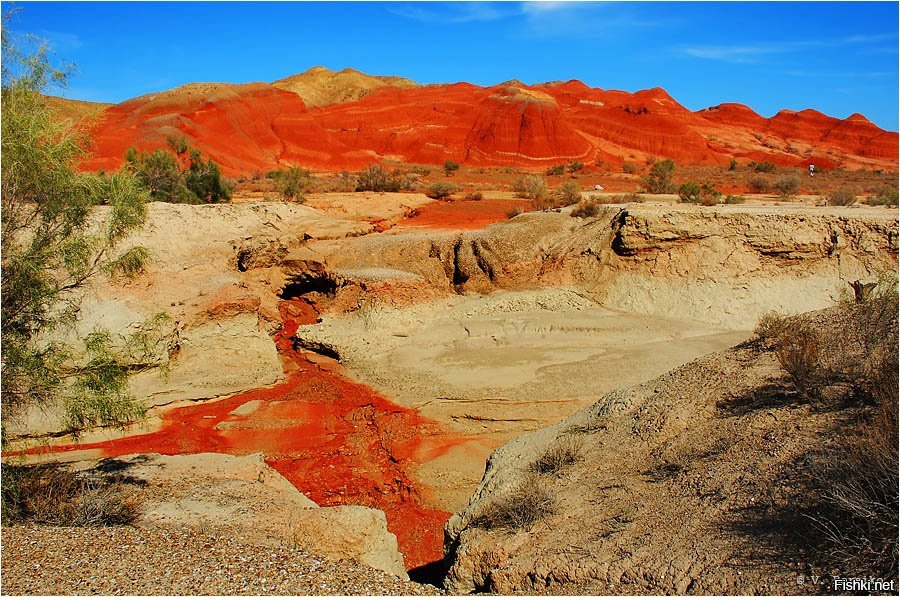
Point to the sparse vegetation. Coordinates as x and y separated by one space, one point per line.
759 184
852 361
377 179
787 186
888 197
574 166
585 210
569 193
450 167
732 165
556 170
526 504
563 452
660 178
762 167
292 182
441 189
629 168
841 197
734 199
530 187
52 494
473 196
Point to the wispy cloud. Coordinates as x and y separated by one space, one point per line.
754 53
456 13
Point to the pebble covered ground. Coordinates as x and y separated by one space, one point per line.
48 560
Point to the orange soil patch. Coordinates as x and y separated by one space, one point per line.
464 215
337 441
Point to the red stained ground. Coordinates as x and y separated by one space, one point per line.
337 441
464 215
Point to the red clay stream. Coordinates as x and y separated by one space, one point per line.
337 441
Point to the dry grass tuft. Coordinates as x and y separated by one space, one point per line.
528 503
563 452
50 494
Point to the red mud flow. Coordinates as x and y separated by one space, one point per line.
337 441
464 215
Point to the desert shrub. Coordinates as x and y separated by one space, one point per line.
629 168
556 170
705 194
180 175
585 210
530 187
797 351
450 167
734 199
732 165
527 503
787 186
616 199
563 452
376 178
51 494
689 192
292 182
759 184
888 196
569 193
659 180
762 166
840 197
510 214
574 166
473 196
441 189
49 248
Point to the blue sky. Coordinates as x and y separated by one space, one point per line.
836 57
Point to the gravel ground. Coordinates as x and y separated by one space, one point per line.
42 560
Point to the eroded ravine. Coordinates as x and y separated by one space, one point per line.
337 441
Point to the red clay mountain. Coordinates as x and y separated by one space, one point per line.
332 121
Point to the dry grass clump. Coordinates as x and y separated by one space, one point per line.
530 187
841 197
50 494
563 452
855 358
528 503
585 210
473 196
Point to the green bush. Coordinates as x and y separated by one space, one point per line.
378 179
574 166
556 170
629 168
734 199
705 194
450 167
732 165
291 182
660 178
762 166
179 175
441 189
787 186
841 197
50 248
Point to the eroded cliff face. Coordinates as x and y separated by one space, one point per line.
725 266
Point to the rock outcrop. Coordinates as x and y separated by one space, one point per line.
242 496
